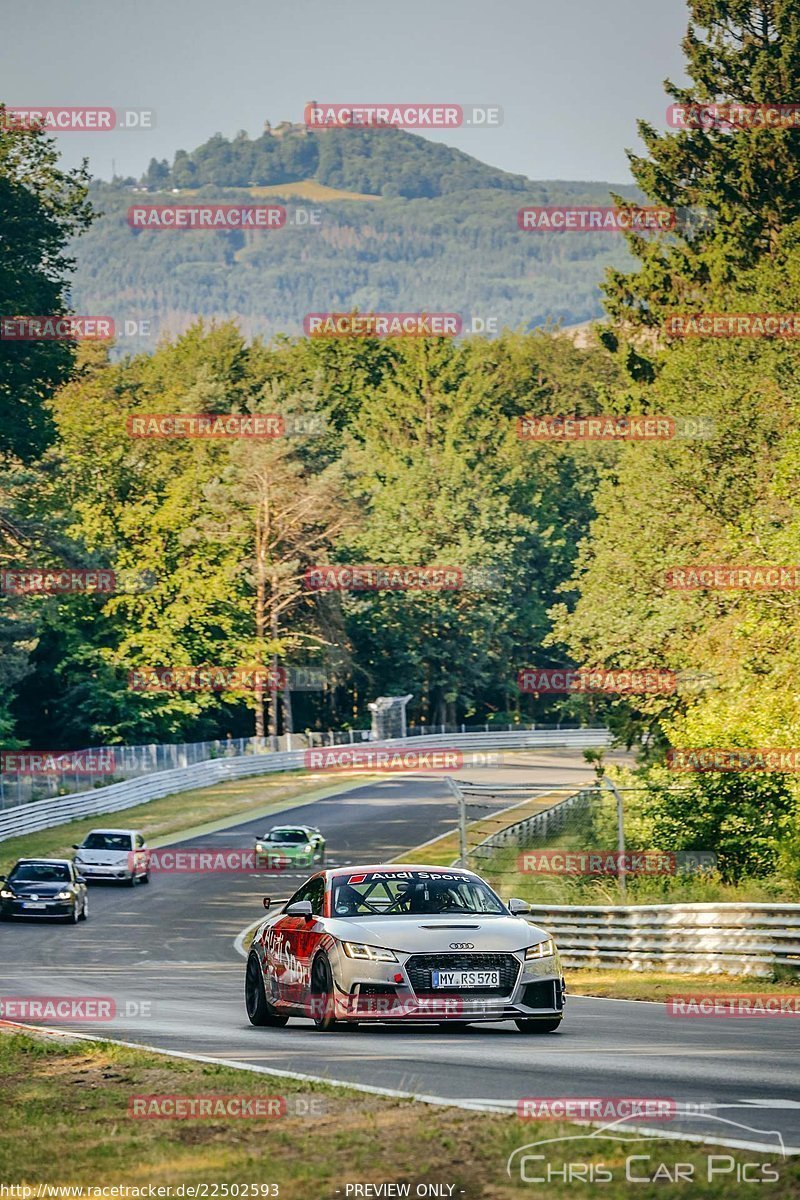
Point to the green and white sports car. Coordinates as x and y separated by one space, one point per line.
292 846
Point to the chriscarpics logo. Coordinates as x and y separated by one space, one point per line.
629 1152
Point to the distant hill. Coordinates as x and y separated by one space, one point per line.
382 162
401 223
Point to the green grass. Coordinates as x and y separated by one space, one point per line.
65 1121
657 985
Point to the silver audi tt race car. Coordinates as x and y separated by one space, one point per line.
398 942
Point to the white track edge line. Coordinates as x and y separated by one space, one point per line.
371 1089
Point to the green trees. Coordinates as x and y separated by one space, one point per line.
41 209
730 497
414 460
735 190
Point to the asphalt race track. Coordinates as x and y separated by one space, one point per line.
166 954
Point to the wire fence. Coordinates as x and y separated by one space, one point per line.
30 775
558 843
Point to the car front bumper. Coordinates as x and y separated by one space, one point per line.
386 991
95 871
53 908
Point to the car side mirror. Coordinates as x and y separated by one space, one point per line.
267 901
515 905
75 847
301 908
80 879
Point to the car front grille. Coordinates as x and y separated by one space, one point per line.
420 966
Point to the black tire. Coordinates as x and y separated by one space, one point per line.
322 1003
132 881
259 1010
75 916
145 878
84 910
538 1024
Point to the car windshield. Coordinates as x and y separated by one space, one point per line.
107 841
39 872
384 893
290 836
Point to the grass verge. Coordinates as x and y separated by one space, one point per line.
654 985
66 1121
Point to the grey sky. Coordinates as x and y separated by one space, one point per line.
572 76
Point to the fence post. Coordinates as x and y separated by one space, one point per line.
621 872
462 821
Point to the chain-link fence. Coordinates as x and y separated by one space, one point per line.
550 843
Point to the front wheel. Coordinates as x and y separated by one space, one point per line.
533 1025
322 1003
259 1010
85 909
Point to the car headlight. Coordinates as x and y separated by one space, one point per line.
63 895
5 894
371 953
259 848
541 950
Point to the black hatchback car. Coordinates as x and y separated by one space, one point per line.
44 887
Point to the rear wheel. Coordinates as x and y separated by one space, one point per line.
536 1025
322 1006
259 1010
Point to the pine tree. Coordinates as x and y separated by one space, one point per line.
734 188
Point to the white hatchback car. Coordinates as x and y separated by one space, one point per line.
116 854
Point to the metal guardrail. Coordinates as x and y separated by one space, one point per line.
733 939
548 821
44 814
